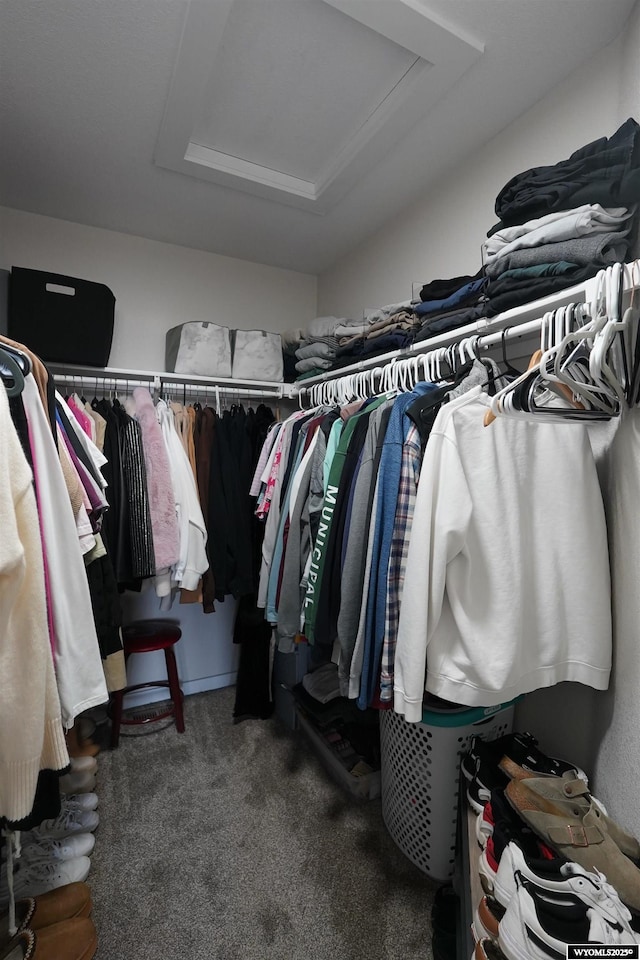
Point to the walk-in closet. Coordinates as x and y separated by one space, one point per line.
319 479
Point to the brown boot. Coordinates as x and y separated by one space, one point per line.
68 940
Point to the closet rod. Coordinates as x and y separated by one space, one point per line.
269 388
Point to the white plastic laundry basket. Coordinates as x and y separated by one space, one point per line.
420 779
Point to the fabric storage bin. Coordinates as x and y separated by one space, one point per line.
199 347
63 319
420 779
257 355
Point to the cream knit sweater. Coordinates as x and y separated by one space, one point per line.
31 734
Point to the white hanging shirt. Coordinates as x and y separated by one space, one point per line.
193 560
31 735
507 586
78 663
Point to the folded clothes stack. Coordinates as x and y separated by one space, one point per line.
383 330
606 172
560 224
447 304
317 348
540 257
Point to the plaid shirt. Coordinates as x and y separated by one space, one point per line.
409 475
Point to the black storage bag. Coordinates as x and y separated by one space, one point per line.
73 324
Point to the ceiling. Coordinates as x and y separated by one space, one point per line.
279 131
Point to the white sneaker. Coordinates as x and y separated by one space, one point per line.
537 929
65 825
80 801
558 881
69 848
34 879
44 848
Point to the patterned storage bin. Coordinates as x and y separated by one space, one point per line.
420 779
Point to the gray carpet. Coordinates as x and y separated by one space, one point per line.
232 843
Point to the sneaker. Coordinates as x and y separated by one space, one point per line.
561 881
69 848
76 783
65 825
507 827
486 949
537 929
489 751
486 919
490 764
484 825
34 879
80 801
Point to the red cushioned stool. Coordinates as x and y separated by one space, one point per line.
147 636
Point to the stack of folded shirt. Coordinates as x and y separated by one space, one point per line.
542 256
560 224
317 350
388 328
447 304
606 172
291 340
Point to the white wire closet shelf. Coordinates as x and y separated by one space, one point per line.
69 373
351 381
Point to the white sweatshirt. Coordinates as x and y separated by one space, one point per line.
507 586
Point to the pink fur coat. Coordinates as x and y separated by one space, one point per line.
162 502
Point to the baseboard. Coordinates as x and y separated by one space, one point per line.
154 694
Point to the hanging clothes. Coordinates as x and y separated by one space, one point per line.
31 733
192 560
79 672
162 502
482 616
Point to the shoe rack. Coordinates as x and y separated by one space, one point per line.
466 879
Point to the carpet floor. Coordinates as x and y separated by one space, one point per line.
232 843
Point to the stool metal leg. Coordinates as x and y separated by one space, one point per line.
174 687
116 717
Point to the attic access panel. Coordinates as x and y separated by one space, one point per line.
296 100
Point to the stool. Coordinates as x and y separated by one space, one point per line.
147 636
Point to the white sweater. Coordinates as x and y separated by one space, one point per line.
31 735
507 586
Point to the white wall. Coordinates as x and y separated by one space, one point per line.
157 285
441 234
617 718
